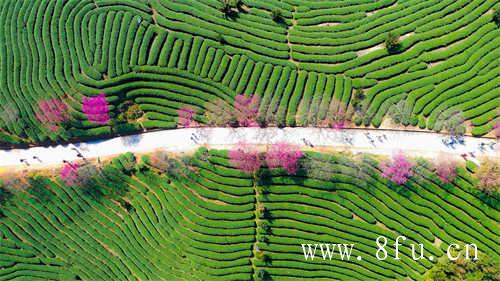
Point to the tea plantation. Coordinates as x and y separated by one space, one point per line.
76 70
296 55
210 221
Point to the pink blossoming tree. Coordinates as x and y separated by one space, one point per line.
247 109
488 174
246 158
8 114
74 174
446 168
398 170
496 130
283 155
52 113
69 174
341 123
186 116
96 109
218 113
336 116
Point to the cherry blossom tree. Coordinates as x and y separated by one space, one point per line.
247 110
283 155
88 172
488 174
336 116
446 168
52 113
169 165
74 174
69 173
218 113
496 130
160 160
9 114
96 109
246 158
316 169
340 120
186 115
398 170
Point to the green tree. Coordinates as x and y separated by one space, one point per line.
277 15
496 16
462 269
5 194
230 7
454 124
392 42
357 100
134 112
400 113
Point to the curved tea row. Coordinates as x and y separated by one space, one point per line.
163 55
208 223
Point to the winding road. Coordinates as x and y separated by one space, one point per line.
380 141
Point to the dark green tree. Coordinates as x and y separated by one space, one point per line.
392 42
462 269
277 15
496 16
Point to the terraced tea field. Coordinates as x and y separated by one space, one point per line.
165 55
75 72
213 222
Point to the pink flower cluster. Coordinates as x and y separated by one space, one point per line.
186 115
446 168
338 125
246 109
51 113
96 109
69 174
246 158
398 170
283 155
